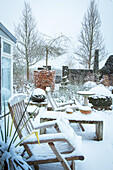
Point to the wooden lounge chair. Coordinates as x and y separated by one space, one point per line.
64 106
60 107
56 147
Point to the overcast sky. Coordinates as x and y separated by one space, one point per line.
59 16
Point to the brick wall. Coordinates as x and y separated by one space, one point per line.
44 78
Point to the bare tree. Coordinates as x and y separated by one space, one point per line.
54 47
90 37
28 44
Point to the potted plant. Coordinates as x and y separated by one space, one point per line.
102 98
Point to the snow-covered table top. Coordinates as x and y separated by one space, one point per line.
85 93
95 115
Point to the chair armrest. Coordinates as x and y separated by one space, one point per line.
63 108
66 103
46 124
45 138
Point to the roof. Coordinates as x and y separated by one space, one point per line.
108 67
5 30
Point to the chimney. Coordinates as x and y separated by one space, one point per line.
96 61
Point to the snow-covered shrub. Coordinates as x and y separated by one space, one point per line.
38 95
89 84
10 158
102 98
67 93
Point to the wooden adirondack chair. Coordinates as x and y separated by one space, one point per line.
62 106
57 147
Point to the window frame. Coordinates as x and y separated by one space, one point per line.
9 56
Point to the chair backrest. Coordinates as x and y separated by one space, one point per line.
17 107
50 98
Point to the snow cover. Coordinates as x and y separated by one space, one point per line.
12 156
101 91
90 84
57 63
86 93
68 110
74 139
38 91
16 98
98 154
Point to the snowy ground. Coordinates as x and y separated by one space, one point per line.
98 154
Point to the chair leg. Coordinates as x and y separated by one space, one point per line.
81 126
36 167
73 167
61 159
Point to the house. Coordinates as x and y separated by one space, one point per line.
7 41
107 72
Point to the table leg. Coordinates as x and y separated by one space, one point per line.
99 130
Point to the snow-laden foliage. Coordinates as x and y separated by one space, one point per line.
10 158
101 91
89 84
69 92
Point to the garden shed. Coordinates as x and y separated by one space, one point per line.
7 41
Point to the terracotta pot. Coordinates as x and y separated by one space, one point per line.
85 111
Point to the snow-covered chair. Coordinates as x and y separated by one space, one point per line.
56 147
74 105
60 107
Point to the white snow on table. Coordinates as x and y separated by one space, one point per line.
77 115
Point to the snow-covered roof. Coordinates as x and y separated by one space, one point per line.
57 63
7 33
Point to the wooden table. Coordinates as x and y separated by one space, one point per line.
77 117
85 94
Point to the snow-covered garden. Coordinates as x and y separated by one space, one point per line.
98 154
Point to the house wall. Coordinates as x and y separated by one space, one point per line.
6 71
0 75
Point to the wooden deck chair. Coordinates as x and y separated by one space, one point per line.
60 107
56 147
75 104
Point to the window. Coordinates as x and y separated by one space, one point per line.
6 48
6 80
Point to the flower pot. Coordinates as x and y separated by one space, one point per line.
85 111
